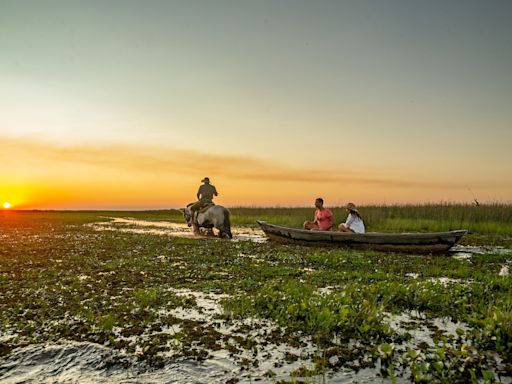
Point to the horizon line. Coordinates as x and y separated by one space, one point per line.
277 206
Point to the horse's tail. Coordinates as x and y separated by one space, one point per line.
227 223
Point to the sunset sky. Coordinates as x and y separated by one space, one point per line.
129 104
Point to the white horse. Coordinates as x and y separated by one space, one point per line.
215 216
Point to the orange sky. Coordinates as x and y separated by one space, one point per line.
123 177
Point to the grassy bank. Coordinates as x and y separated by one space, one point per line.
487 219
61 279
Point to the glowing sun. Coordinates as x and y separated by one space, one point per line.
6 205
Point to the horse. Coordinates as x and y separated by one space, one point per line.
216 216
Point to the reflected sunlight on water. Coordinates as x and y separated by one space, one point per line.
165 228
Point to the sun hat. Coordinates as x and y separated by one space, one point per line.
352 207
207 179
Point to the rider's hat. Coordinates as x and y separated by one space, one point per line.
205 180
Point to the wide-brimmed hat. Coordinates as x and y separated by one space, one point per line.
351 207
206 179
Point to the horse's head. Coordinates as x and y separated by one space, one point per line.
187 214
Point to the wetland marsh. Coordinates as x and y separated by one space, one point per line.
133 297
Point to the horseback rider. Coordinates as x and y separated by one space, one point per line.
205 195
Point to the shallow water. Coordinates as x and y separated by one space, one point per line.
73 362
166 228
78 362
422 331
465 252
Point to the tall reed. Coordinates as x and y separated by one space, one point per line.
495 218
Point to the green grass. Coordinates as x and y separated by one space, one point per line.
487 219
491 219
60 279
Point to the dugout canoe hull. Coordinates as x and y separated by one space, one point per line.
431 242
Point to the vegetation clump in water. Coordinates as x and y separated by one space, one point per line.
279 312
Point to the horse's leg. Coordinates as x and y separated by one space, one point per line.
227 232
197 223
216 217
218 225
205 221
223 231
210 218
226 224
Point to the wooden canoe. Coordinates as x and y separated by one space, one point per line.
397 242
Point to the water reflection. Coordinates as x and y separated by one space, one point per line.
465 252
166 228
73 362
83 362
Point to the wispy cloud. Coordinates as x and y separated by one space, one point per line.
156 159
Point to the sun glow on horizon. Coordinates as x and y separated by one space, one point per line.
6 205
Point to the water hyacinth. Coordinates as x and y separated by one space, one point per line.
153 299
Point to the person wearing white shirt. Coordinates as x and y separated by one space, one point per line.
354 221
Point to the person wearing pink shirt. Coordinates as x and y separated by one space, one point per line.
323 221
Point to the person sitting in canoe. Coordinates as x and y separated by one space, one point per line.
323 220
354 221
